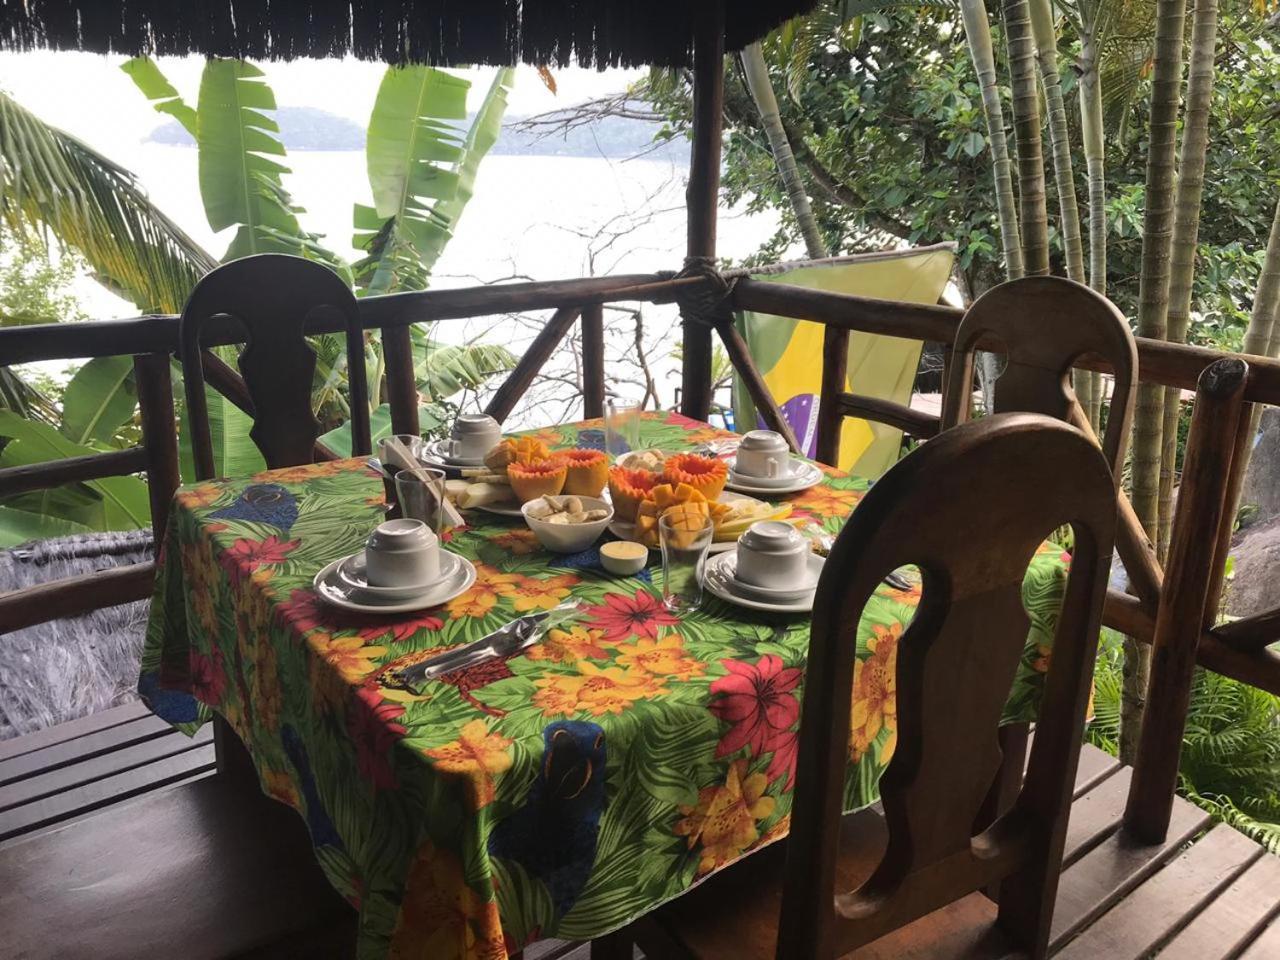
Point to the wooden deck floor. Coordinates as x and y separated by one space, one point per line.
1207 893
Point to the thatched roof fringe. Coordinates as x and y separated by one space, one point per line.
592 33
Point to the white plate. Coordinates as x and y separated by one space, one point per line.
729 568
432 450
501 509
456 582
627 531
722 586
803 476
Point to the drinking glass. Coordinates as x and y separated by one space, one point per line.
684 554
420 494
621 426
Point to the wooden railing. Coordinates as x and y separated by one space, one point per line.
1157 615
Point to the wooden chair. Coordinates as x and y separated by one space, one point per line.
273 296
969 508
1045 324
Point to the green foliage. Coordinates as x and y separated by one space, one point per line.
886 123
1230 762
51 181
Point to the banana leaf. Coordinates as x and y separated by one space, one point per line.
122 501
442 370
19 526
99 400
410 140
146 76
240 183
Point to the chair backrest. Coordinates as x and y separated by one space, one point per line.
969 508
273 296
1045 324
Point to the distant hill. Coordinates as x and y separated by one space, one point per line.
310 128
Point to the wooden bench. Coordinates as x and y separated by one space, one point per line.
163 858
72 769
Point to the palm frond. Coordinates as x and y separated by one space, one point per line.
51 180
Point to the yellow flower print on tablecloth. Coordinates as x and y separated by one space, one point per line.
490 586
202 495
205 593
280 785
569 646
875 685
725 819
442 917
665 657
597 690
827 501
348 655
518 542
267 696
478 754
534 594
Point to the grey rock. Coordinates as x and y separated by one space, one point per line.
1255 581
1261 490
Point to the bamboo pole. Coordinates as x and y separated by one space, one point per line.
593 361
703 195
159 436
835 374
1180 615
402 386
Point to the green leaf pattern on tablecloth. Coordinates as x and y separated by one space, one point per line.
404 795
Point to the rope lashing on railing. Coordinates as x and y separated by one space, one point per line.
707 302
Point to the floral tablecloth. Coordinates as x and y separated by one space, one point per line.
559 793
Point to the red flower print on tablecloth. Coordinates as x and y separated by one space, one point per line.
621 616
245 556
758 700
208 677
372 727
399 631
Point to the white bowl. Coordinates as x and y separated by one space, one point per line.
624 566
569 537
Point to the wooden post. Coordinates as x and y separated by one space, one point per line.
159 435
835 370
1180 615
518 380
593 361
1231 503
703 194
402 387
761 395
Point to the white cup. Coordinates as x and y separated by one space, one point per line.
402 553
773 554
473 435
764 454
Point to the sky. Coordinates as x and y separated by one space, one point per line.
89 96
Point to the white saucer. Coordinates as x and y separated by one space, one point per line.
458 577
353 573
501 509
729 568
724 586
803 475
432 450
627 531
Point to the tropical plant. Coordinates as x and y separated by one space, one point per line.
1230 758
422 168
1034 220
